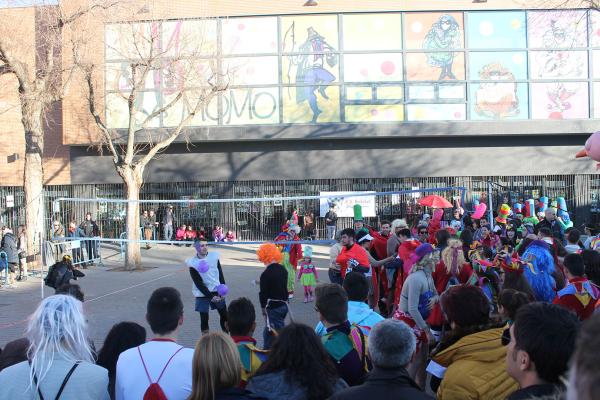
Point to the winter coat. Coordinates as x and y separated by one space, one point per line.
476 368
274 386
77 233
555 228
384 384
9 246
89 228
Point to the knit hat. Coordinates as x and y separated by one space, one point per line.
307 251
358 212
529 208
503 214
422 251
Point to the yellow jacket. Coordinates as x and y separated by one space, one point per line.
476 368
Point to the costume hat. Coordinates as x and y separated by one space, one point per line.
543 204
358 212
503 214
562 204
307 251
518 208
529 208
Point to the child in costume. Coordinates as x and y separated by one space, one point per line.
307 275
291 252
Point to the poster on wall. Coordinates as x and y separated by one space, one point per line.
344 203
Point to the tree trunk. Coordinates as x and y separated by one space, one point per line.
133 183
32 114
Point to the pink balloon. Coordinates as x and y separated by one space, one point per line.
480 209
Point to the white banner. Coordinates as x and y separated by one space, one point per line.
344 204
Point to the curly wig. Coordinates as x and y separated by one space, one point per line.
268 252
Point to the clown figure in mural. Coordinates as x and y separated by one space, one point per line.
443 37
496 97
310 71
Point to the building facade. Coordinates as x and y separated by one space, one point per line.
371 91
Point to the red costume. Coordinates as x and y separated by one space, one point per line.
441 277
579 296
405 251
355 253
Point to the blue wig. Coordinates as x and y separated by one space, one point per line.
539 270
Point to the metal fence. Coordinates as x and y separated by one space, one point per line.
260 221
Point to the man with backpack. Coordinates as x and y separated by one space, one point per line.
346 343
159 369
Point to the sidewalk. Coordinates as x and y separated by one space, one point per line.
113 296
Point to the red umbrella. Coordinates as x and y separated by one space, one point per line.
435 201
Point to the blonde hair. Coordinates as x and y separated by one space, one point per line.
453 256
399 223
216 366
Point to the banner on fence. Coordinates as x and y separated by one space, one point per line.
344 203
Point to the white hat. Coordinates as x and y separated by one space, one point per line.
364 238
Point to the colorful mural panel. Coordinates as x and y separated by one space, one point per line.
435 112
374 113
497 30
557 64
498 99
248 71
559 100
249 35
300 104
560 29
383 67
507 66
251 106
372 32
189 37
208 114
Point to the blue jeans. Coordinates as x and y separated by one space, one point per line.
335 276
331 232
276 316
168 231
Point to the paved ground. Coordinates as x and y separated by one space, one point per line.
113 296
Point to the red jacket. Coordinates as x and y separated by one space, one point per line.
579 296
354 253
379 244
441 277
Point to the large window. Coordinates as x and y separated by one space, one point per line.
375 67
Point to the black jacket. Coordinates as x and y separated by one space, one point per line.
89 228
384 384
273 284
9 246
554 228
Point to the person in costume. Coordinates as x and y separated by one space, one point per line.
273 294
417 299
292 253
579 295
539 270
359 223
352 257
530 218
502 218
241 321
365 241
562 214
307 274
452 270
209 287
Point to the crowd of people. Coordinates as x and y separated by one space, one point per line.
461 309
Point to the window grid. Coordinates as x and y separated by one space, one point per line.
467 83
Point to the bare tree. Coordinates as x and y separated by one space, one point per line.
42 79
176 57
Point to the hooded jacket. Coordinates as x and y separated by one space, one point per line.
476 368
383 384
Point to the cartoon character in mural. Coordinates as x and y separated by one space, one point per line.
310 67
558 99
497 96
442 38
557 63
